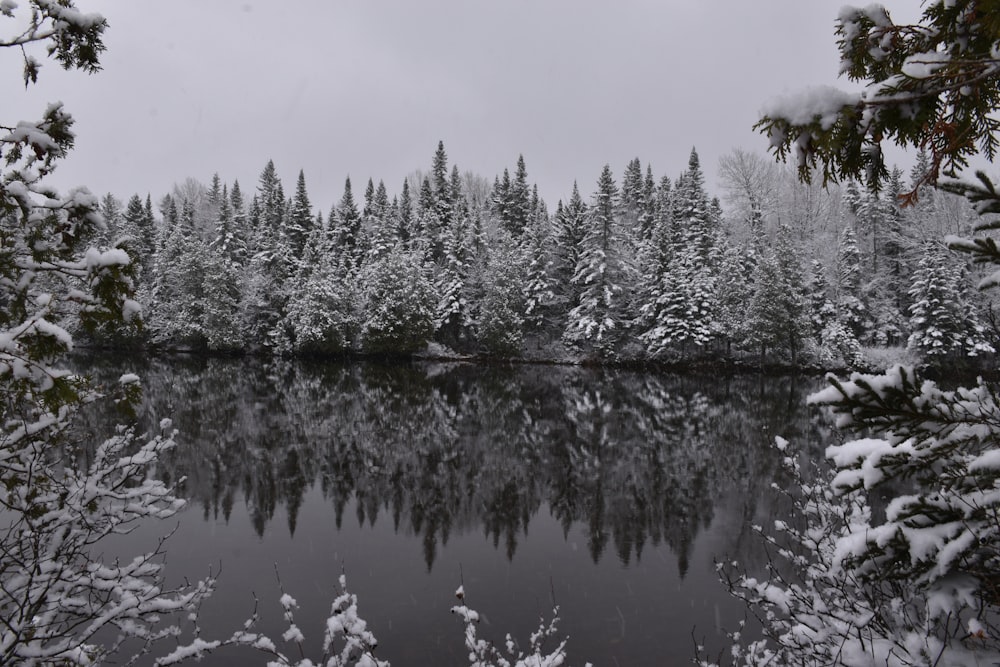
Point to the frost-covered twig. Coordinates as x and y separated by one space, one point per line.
347 642
483 653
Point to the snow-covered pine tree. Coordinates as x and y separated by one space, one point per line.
569 231
298 226
453 320
734 292
323 311
265 294
382 230
177 307
943 322
595 322
537 288
397 299
777 311
518 209
821 311
677 313
852 312
138 224
404 215
346 230
500 322
631 196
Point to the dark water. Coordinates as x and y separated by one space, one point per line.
610 492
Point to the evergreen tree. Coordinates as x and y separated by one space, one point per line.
404 216
538 290
139 225
632 197
177 310
596 319
778 313
347 231
699 226
676 306
322 313
435 225
821 311
501 307
453 320
735 292
943 321
519 207
567 249
397 299
852 312
500 201
271 199
300 220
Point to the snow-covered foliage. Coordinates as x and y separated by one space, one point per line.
596 319
931 85
892 557
501 318
650 270
942 321
398 301
57 592
347 642
483 653
836 593
321 312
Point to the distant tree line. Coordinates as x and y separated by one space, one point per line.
648 269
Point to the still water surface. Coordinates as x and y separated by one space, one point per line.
609 492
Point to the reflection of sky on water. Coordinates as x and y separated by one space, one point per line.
612 492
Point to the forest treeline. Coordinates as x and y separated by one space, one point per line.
651 268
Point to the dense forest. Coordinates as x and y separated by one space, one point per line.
652 268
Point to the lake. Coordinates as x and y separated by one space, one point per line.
609 492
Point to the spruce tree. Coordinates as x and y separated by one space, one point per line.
519 200
942 319
404 214
346 229
596 320
298 227
567 248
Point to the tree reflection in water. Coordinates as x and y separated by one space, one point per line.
634 460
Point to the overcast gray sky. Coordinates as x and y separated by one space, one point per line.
366 88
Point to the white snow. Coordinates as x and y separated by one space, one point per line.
819 104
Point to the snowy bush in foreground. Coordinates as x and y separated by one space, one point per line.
61 602
343 626
485 654
844 589
918 582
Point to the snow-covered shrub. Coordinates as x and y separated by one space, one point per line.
845 589
347 642
398 303
61 497
839 345
483 653
321 314
501 310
